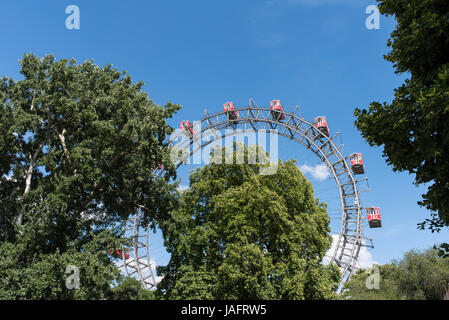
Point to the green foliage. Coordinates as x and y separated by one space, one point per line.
241 235
443 250
78 146
413 127
131 289
356 288
417 276
26 273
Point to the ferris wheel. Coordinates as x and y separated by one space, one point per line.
314 136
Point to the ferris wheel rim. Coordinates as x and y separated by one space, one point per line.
346 252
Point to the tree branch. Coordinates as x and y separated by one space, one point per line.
29 175
64 148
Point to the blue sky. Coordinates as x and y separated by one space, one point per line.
314 53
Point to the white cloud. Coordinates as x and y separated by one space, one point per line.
330 252
319 172
182 188
365 258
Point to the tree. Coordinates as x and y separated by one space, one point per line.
131 289
78 147
241 235
413 127
357 289
417 276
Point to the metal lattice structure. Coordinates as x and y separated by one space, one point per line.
254 118
139 265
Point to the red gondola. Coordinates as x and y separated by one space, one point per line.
229 108
321 124
374 220
277 110
118 254
357 163
187 128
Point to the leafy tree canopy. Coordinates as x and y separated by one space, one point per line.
241 235
78 146
413 127
131 289
417 276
